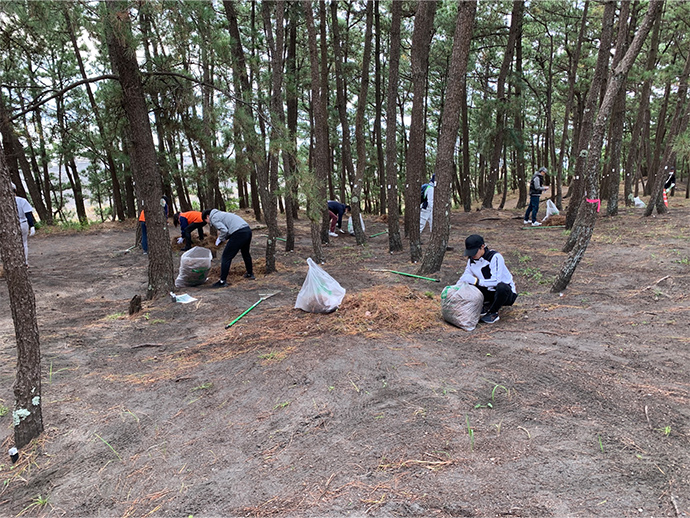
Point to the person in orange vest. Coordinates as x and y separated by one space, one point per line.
142 221
189 222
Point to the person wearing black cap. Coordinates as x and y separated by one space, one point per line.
536 187
487 270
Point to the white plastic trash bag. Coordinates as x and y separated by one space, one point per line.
461 305
551 209
194 267
351 226
320 292
639 204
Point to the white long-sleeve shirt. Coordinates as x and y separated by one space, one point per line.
490 269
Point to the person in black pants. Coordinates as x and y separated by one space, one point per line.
536 187
236 232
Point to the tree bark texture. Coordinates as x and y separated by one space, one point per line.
416 154
142 149
577 187
360 141
450 122
27 416
588 209
317 206
501 103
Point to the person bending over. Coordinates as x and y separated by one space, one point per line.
236 232
487 270
336 210
189 222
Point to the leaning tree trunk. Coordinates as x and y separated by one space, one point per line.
142 150
589 208
577 186
27 416
416 156
450 122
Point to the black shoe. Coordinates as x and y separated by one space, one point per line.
490 318
485 309
249 276
219 284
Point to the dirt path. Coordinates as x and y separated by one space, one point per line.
574 404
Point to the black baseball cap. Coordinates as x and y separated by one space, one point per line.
472 245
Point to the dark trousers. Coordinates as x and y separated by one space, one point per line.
144 238
533 208
239 241
188 233
334 220
495 300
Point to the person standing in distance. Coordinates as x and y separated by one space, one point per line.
236 232
536 187
487 270
426 209
26 221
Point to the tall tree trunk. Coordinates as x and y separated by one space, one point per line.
416 154
244 114
270 181
572 76
105 140
577 188
678 125
588 209
360 141
519 124
27 416
289 158
317 206
612 175
341 100
143 151
378 131
501 104
450 122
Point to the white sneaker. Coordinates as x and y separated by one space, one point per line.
526 222
536 224
342 231
333 234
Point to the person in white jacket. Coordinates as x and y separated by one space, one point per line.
487 270
236 232
27 223
426 209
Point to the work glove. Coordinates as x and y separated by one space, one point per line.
180 240
32 231
218 241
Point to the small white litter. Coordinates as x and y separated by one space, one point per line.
182 299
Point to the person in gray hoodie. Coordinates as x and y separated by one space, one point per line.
236 232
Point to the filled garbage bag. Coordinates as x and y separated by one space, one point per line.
320 292
461 305
194 267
